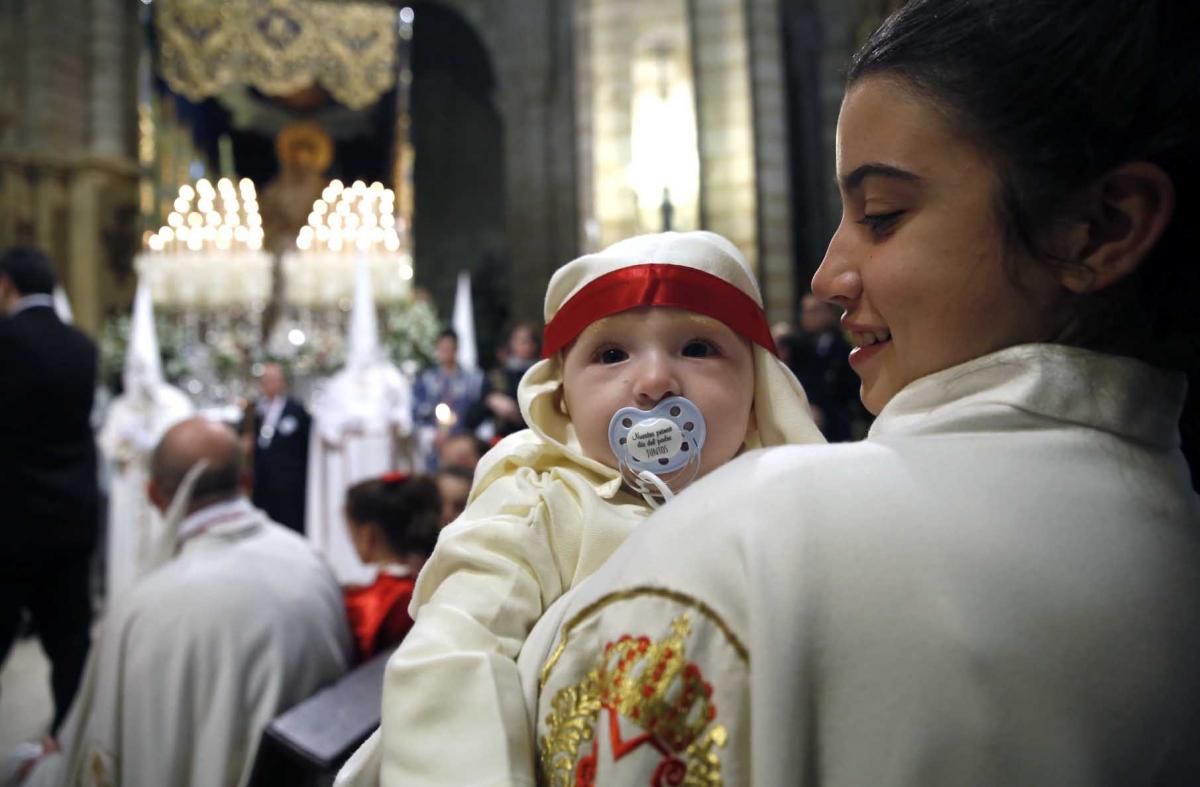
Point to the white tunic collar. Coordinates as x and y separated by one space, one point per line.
216 515
29 301
1119 395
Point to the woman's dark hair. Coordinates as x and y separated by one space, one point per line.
406 508
1057 93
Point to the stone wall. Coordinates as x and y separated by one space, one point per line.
67 175
721 53
819 38
67 124
530 44
777 270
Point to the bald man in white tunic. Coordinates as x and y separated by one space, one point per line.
241 622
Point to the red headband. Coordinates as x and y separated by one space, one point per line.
657 284
393 478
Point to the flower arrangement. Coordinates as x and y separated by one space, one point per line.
408 332
114 339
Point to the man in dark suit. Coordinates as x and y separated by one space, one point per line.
47 471
279 425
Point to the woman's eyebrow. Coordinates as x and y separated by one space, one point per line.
855 179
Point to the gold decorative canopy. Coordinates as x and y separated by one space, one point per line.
278 46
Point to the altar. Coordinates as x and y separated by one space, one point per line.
225 305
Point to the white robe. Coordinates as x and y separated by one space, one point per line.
359 422
542 516
132 428
1000 586
199 656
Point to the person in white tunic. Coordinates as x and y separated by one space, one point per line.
241 622
1001 585
661 336
133 425
362 417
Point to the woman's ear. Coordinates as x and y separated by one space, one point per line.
1126 213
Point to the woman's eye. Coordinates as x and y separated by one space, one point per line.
879 223
698 348
611 355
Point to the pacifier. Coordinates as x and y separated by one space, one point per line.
665 439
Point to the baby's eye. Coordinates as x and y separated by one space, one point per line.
611 355
699 348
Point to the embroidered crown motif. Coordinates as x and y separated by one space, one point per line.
653 685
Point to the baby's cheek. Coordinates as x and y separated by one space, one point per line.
726 441
596 447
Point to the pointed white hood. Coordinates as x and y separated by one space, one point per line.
143 365
62 305
463 322
362 342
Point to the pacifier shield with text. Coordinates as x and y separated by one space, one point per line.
654 439
662 439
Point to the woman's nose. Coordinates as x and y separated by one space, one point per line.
654 380
837 280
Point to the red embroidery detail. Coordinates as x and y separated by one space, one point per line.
622 747
585 772
670 770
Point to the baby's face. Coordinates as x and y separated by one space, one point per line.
639 357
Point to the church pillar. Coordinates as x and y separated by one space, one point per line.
773 199
726 123
113 58
540 200
527 205
47 209
85 250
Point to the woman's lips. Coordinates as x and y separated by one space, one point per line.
868 341
860 355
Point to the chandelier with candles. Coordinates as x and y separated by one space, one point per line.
209 273
209 254
348 224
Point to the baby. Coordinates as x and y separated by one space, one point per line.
658 368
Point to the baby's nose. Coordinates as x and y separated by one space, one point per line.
655 380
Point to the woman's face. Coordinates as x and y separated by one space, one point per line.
918 260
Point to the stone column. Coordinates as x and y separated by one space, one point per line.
729 203
56 112
113 55
47 202
536 104
774 200
611 31
85 249
585 182
16 204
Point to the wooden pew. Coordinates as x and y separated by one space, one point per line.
305 746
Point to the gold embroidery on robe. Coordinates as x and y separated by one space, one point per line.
653 686
100 770
640 591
